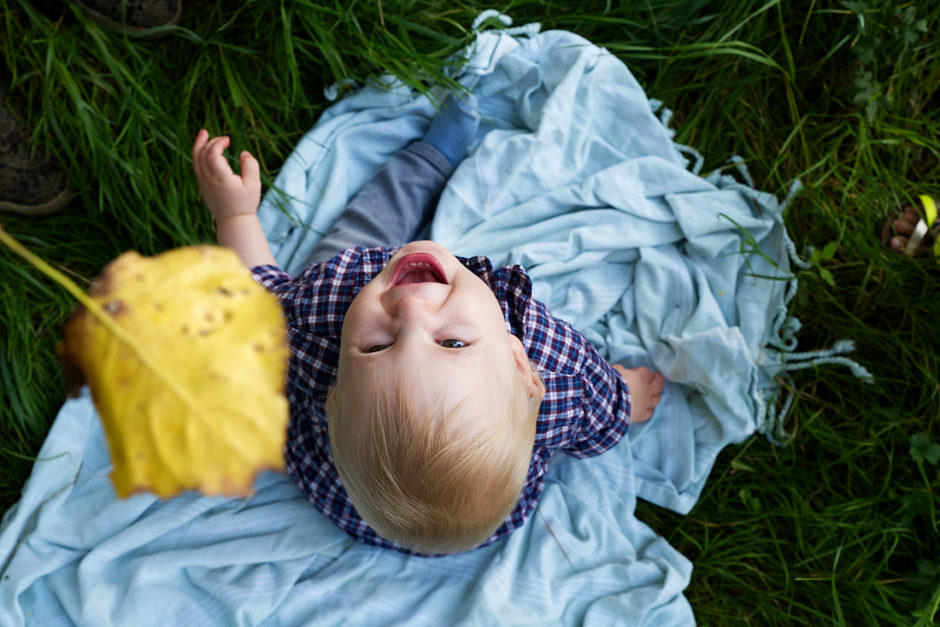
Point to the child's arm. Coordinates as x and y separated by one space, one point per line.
232 199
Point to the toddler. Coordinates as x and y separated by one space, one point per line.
427 391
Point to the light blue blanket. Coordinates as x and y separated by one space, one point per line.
575 178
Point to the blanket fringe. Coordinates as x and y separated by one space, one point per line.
779 353
528 30
781 350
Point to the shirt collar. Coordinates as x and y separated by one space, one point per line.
511 285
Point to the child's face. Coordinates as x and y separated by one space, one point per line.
431 322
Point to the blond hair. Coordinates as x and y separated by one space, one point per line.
429 481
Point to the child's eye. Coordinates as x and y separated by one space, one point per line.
452 343
377 348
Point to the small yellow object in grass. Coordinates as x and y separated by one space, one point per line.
186 360
930 217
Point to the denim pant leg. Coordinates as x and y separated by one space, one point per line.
393 207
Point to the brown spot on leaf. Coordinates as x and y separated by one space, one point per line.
163 323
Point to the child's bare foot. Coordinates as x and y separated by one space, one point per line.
646 388
908 232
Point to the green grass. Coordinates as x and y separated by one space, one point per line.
839 527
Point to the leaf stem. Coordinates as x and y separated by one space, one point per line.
95 309
47 269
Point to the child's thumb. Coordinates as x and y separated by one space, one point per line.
250 170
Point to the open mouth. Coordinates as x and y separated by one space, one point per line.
418 268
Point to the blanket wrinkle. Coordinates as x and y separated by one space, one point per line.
572 175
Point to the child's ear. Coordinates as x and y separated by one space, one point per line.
533 382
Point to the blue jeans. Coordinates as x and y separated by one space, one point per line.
394 206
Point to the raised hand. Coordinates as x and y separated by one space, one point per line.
226 193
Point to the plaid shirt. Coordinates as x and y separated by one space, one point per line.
586 409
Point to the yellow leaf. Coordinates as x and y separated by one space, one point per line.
187 369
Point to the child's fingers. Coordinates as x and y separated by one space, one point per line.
202 137
215 147
213 158
203 155
206 146
251 172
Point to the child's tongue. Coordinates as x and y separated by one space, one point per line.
418 275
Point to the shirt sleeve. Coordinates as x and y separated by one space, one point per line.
270 277
586 409
315 301
605 408
304 299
